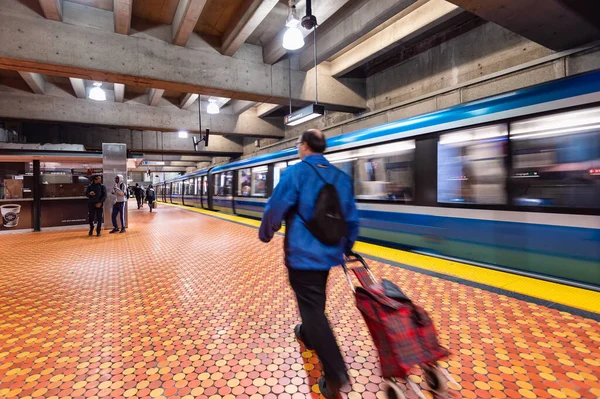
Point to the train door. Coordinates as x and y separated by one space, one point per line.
201 190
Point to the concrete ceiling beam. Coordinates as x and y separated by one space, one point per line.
22 105
154 96
551 23
177 158
418 21
160 169
351 25
52 9
185 20
241 30
241 106
264 110
273 51
35 81
78 87
152 63
220 101
119 92
187 100
153 144
122 10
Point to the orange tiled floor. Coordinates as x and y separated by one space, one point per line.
186 305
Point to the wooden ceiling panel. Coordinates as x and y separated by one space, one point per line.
218 15
8 74
102 4
57 80
155 11
171 94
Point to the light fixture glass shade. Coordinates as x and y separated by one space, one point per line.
212 108
293 39
292 19
97 93
183 134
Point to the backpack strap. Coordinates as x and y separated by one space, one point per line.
322 178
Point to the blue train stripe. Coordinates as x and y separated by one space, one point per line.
572 242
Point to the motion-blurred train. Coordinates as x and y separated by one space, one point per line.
510 182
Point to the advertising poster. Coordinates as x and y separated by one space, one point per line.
16 214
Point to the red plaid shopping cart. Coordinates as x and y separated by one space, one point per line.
401 330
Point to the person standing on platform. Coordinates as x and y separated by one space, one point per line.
137 191
143 195
150 197
303 193
120 191
96 193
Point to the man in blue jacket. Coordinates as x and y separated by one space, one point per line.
308 260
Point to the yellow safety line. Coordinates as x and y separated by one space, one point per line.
558 293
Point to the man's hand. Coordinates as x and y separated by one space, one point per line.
92 193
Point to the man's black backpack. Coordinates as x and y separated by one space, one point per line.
327 224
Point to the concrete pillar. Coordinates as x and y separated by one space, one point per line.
114 162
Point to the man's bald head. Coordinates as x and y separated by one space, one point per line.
315 140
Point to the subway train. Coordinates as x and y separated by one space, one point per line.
509 182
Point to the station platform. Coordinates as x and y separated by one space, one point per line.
190 304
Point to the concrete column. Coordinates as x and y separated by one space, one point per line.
114 162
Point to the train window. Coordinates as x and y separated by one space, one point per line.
277 170
556 160
223 184
259 181
244 182
228 183
383 172
472 166
196 185
205 185
219 183
177 188
186 187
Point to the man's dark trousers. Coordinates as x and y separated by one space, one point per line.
95 213
118 210
138 198
310 288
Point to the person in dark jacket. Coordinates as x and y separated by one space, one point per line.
308 260
96 193
137 191
150 197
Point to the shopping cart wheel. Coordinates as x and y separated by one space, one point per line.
435 379
392 390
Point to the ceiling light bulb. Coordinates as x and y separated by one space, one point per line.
212 108
97 93
293 39
183 134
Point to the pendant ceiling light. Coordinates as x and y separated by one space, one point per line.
293 39
212 108
97 93
314 110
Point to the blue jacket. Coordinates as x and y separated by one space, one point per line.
297 191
